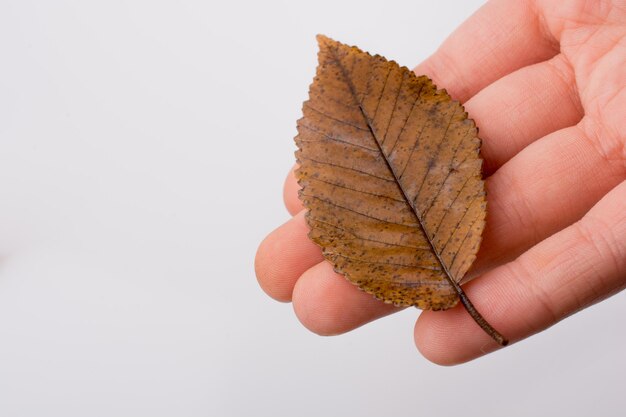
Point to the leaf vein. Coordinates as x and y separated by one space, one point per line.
467 209
420 248
402 130
345 122
355 190
358 212
393 110
381 96
417 266
369 174
448 175
435 157
334 139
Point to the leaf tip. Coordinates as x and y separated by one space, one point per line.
324 42
322 38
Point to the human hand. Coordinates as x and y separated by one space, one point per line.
546 83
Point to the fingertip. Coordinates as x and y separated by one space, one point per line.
266 274
309 302
443 337
290 193
452 337
328 304
283 256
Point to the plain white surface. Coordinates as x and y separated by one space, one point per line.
143 147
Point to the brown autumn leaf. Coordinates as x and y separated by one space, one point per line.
390 173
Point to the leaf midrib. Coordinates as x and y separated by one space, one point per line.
408 200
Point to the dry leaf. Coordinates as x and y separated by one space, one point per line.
390 173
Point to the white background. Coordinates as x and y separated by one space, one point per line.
143 147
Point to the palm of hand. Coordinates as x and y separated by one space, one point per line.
546 83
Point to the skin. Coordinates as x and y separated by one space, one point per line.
546 83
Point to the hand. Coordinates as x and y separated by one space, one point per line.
546 83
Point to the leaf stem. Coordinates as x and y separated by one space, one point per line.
478 318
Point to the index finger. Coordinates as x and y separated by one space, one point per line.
501 37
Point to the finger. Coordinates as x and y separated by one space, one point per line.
502 36
549 185
522 107
283 256
290 193
571 270
328 304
